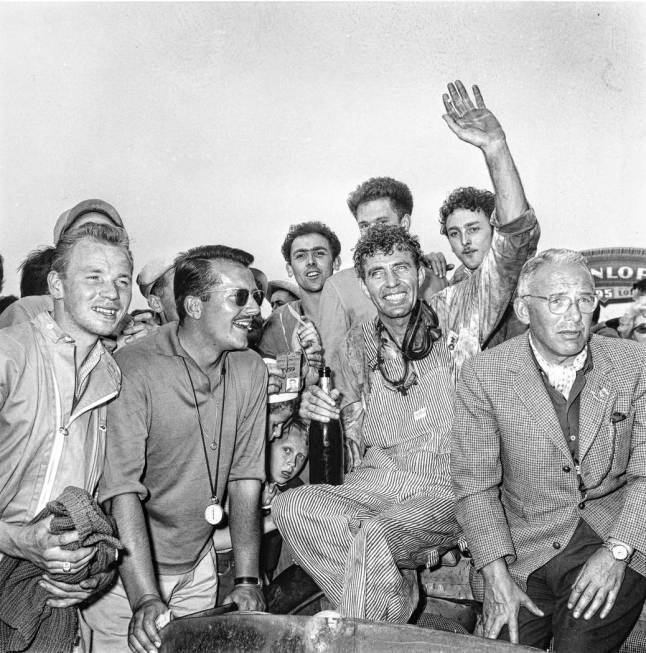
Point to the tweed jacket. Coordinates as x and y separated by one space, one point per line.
516 486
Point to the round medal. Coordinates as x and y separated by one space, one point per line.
213 513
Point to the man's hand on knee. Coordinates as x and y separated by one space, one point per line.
596 585
502 601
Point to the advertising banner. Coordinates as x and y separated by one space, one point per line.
615 270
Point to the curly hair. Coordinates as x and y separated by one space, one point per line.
385 239
469 198
401 199
195 275
627 320
304 229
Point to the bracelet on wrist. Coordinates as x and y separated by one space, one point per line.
247 580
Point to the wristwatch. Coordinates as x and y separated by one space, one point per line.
619 551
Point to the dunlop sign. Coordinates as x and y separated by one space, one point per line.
615 270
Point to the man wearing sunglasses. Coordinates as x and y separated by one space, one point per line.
549 469
189 433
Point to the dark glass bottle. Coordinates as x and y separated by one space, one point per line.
326 444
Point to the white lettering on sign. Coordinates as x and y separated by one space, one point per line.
625 272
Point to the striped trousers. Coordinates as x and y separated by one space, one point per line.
350 537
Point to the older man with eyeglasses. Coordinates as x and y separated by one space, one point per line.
549 469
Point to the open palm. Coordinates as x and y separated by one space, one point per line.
473 124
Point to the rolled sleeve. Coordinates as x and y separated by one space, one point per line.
512 245
127 435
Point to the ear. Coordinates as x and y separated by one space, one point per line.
521 309
405 222
337 264
421 275
193 307
155 303
290 270
55 284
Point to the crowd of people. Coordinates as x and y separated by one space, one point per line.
478 412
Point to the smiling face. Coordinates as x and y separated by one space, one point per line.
93 293
311 262
558 338
392 282
221 323
379 212
288 455
469 233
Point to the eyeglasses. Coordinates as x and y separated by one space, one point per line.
560 304
240 296
640 328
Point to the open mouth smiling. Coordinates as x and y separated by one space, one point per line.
245 324
108 313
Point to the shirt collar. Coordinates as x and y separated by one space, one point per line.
576 364
51 329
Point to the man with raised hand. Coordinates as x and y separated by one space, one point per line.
56 378
189 430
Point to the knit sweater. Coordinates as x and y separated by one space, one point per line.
25 619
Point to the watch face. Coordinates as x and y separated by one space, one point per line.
620 552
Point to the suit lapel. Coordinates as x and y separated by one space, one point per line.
529 386
597 397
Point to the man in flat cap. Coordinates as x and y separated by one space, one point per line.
155 283
96 211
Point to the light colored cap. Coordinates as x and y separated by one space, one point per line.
151 272
67 219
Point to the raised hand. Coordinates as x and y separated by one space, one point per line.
471 123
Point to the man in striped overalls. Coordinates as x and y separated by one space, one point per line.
396 377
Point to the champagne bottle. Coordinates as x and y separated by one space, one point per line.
326 444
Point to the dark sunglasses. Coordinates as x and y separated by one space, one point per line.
240 296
